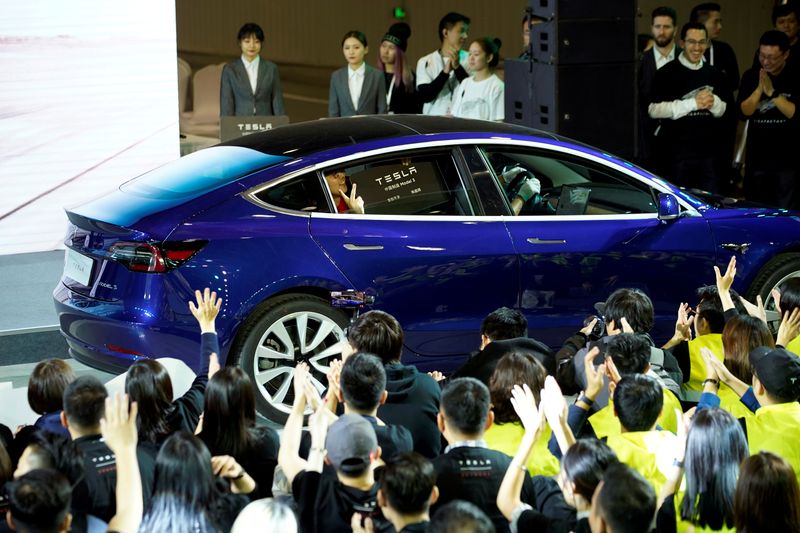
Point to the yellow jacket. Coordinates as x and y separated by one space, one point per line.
506 438
776 429
697 372
648 452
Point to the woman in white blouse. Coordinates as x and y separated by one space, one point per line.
357 88
482 94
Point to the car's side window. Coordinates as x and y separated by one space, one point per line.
537 182
408 184
301 193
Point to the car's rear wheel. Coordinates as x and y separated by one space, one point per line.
772 276
285 331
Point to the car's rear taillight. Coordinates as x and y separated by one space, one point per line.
154 257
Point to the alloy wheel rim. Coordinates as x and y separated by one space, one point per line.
298 337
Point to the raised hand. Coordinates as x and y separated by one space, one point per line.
436 375
626 327
711 370
683 324
300 378
789 328
334 376
594 377
525 406
354 203
206 310
724 282
552 402
118 425
718 366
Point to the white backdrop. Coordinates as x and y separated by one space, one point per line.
88 100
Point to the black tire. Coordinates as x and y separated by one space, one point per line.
271 347
771 276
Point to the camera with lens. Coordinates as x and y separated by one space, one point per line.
599 328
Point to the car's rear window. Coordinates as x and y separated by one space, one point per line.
200 172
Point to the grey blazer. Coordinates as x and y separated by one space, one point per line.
373 94
236 98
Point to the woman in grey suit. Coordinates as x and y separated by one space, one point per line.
250 85
356 89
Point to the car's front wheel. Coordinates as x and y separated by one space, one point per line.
283 332
781 268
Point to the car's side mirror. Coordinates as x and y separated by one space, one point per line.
668 206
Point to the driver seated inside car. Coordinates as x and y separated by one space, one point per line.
521 188
337 181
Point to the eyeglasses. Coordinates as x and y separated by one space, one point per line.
692 42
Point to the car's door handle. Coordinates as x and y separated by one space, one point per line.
537 240
361 248
736 247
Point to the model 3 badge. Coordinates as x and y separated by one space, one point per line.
107 285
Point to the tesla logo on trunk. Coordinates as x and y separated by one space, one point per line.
394 176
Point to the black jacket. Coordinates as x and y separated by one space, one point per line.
481 365
413 402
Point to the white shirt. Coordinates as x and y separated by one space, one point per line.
252 71
428 67
663 60
355 82
480 99
680 108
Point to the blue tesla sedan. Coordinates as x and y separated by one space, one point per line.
451 228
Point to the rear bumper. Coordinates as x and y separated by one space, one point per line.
98 334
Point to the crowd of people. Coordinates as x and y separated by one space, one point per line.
698 434
448 81
693 101
692 97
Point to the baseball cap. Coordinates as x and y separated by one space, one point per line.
778 370
350 442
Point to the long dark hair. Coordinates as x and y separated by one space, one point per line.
148 383
715 447
741 334
229 417
767 496
184 487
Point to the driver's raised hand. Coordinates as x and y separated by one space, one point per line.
509 174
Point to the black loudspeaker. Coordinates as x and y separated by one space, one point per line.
580 81
592 103
583 9
574 42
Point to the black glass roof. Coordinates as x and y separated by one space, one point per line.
304 138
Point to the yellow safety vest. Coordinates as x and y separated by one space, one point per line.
794 346
604 423
776 429
729 401
506 438
648 452
697 373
